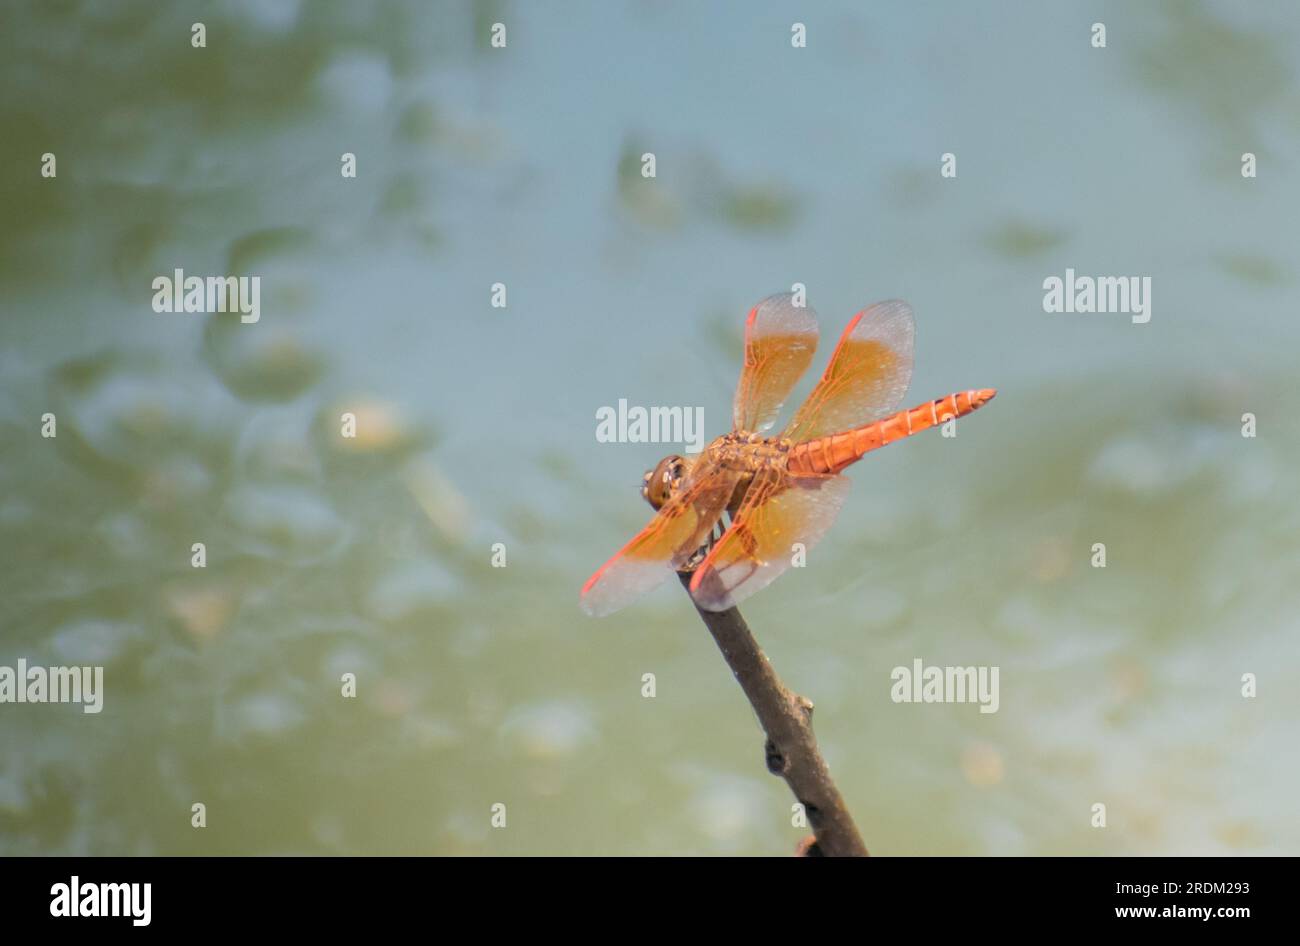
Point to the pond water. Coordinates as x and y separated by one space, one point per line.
373 556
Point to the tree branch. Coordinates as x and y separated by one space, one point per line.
786 718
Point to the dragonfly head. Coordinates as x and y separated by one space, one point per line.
659 484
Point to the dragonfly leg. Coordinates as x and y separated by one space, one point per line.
693 562
702 552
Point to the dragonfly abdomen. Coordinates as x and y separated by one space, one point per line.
831 454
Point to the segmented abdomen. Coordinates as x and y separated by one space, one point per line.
832 453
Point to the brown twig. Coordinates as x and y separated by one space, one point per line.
786 718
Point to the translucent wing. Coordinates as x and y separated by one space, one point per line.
780 339
868 374
778 511
676 532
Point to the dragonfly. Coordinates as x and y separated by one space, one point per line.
745 509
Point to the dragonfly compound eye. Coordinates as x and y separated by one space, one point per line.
663 480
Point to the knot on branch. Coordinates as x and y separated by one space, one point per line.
801 708
776 762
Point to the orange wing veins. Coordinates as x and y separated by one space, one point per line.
778 511
780 340
867 375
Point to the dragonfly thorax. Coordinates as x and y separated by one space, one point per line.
748 452
739 451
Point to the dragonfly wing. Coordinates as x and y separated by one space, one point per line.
780 340
665 545
778 511
867 376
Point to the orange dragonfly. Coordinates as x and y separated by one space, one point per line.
778 490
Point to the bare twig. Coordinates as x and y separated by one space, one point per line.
786 718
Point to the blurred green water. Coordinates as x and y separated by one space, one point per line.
479 685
